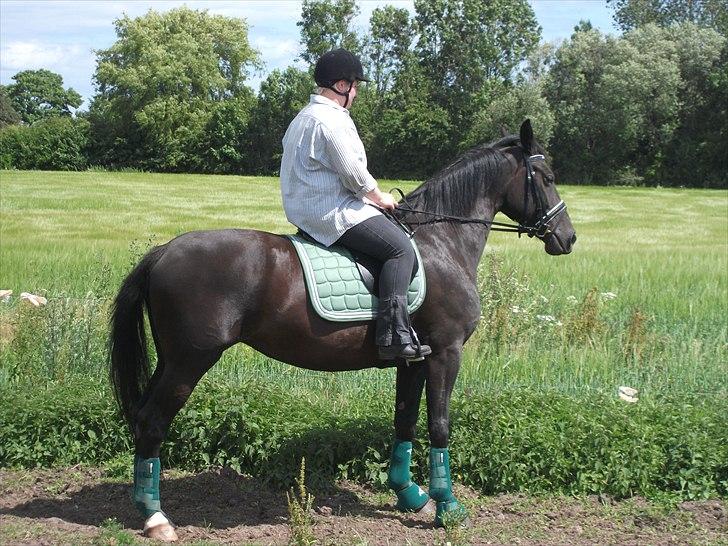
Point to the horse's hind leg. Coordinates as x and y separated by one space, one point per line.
410 382
167 394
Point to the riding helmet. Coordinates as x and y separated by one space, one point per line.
338 64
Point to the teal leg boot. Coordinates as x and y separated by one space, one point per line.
146 485
146 499
441 487
410 496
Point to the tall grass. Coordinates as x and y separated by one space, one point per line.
641 301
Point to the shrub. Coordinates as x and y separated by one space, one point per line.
58 143
501 442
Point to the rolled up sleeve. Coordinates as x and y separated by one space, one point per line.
347 162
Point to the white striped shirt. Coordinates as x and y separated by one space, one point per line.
324 172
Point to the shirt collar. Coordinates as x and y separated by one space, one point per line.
320 99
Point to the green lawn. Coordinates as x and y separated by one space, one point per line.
657 259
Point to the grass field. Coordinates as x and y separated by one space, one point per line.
642 300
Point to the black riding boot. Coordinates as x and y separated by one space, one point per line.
394 335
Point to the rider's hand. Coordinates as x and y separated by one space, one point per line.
381 199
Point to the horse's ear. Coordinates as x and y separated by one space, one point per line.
504 131
527 136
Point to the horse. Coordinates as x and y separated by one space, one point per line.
205 291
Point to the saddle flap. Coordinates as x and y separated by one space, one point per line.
343 285
369 268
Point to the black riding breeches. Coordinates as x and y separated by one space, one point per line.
381 239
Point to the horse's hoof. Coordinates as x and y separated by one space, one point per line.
430 507
158 527
163 533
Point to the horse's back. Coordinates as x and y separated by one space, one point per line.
213 284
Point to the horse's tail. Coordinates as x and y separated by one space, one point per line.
127 340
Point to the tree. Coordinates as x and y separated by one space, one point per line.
160 82
282 95
507 106
408 135
327 25
615 102
8 115
697 154
640 93
647 107
39 94
630 14
463 44
387 45
225 147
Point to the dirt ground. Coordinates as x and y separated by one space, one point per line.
79 505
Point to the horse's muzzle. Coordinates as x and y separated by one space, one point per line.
556 244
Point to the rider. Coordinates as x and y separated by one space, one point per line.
328 193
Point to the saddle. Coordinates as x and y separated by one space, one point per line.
343 285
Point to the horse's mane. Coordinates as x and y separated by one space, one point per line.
454 189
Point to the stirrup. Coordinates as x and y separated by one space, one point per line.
418 347
407 351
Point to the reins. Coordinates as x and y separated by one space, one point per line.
539 229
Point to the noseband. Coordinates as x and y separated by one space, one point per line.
539 229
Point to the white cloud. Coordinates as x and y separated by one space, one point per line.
273 50
21 55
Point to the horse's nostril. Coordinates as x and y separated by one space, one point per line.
573 238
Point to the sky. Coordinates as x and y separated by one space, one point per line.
61 35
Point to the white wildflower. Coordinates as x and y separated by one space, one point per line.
33 299
550 319
571 299
515 309
608 295
628 394
543 299
5 295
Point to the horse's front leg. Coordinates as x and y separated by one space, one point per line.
410 382
442 371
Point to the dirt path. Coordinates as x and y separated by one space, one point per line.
79 506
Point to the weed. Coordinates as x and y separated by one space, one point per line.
299 511
636 338
585 323
455 527
113 534
57 486
119 468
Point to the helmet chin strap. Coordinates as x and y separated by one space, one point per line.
346 101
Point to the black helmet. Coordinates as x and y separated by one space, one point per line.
338 64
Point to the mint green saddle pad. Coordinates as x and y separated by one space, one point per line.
335 286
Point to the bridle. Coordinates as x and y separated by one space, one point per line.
539 229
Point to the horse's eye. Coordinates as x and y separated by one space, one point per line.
549 178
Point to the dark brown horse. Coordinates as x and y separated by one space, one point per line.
208 290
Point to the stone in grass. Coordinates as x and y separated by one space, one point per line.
628 394
34 299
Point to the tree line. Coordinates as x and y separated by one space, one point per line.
645 107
